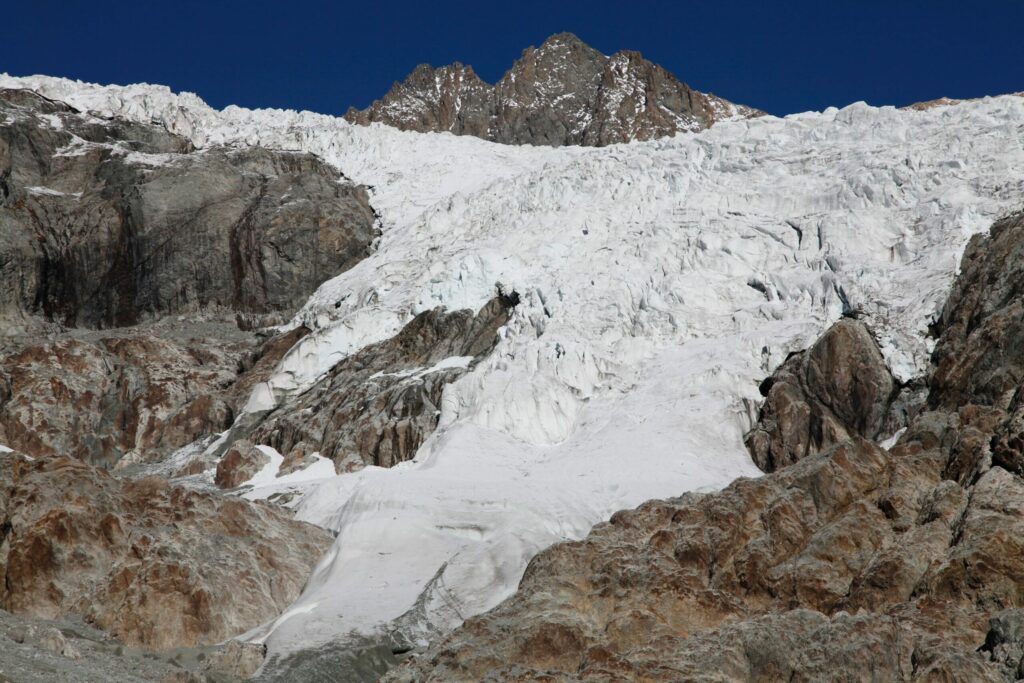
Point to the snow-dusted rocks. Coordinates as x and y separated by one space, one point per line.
561 93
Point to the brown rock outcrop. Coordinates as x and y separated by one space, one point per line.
140 392
99 400
852 563
150 563
242 461
837 389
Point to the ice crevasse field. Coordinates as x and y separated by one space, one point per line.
659 283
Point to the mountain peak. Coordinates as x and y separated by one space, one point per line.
562 93
565 40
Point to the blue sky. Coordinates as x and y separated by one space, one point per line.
780 56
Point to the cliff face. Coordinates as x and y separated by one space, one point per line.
562 93
106 222
850 560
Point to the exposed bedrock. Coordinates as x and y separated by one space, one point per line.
377 406
561 93
150 563
837 389
848 562
105 222
141 392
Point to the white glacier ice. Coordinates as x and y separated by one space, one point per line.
659 283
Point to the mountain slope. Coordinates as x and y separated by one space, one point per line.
658 283
855 562
562 93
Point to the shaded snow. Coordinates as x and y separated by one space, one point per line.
659 283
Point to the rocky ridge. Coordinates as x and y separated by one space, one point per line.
377 406
133 268
561 93
99 369
849 560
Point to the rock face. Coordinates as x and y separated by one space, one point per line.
132 393
100 401
105 222
377 406
239 464
979 356
562 93
837 389
849 561
150 563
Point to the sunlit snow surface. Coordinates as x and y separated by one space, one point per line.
660 282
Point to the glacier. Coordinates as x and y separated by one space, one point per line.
659 283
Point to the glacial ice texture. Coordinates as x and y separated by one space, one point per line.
659 283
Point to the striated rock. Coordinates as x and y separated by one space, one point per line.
837 389
849 562
106 223
562 93
150 563
377 406
242 461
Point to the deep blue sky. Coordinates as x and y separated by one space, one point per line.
780 56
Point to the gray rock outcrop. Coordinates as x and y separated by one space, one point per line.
105 222
561 93
377 406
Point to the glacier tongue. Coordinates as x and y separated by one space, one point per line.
659 283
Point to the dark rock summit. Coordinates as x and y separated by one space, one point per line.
562 93
849 561
105 222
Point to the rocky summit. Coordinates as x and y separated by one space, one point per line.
561 93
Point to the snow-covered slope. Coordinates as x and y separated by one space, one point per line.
660 282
